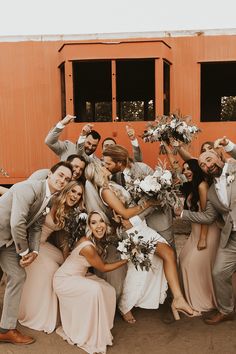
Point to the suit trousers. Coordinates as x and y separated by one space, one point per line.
224 267
9 262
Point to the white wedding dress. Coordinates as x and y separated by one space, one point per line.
145 289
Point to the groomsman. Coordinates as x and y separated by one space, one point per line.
21 216
78 164
85 146
116 160
221 202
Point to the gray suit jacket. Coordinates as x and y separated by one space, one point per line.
65 148
215 208
18 207
233 152
39 175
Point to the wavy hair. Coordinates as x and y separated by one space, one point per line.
60 206
101 244
94 174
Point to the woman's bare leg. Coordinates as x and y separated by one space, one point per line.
167 254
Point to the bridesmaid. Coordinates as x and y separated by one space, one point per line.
39 304
198 255
87 303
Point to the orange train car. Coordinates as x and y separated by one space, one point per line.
111 80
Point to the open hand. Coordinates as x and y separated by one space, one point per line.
131 132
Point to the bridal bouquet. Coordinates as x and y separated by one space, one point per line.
138 251
167 128
160 185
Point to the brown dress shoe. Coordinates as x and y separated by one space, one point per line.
218 318
15 337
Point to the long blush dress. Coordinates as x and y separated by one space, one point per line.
87 304
39 305
196 268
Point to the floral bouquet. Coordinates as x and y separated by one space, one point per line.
75 225
160 185
138 251
168 128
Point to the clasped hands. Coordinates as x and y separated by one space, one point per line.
28 259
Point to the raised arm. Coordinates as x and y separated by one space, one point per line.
115 204
90 253
52 139
137 153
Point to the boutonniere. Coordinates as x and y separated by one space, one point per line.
46 211
230 177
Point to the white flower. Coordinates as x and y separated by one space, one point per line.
124 256
158 172
230 179
83 216
121 247
135 239
180 129
46 211
167 176
150 184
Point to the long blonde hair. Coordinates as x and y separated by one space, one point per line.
103 243
60 207
93 172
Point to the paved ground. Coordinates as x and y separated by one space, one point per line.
148 336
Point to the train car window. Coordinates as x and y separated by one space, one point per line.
218 91
135 87
92 90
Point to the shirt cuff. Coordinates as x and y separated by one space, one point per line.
229 147
35 252
81 139
181 215
22 254
60 125
135 142
135 220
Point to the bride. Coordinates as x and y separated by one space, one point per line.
117 199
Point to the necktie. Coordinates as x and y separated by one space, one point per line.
36 216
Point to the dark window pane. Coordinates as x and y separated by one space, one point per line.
135 84
63 90
218 89
92 90
166 88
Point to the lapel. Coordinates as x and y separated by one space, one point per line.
214 198
36 207
230 187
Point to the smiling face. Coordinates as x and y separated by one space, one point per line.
78 167
90 145
97 225
59 179
207 147
74 195
187 172
211 163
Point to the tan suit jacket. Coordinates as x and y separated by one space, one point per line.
18 207
215 208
